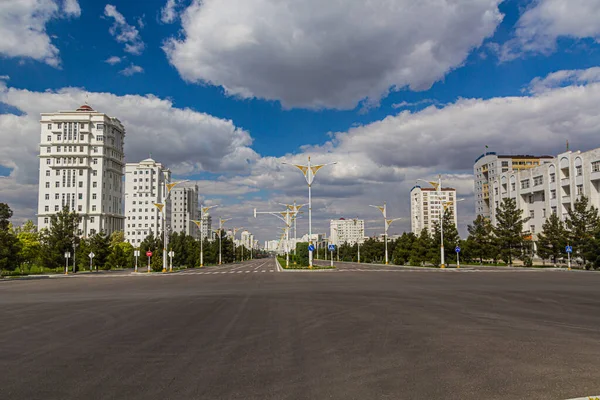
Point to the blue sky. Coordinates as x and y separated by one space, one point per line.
499 59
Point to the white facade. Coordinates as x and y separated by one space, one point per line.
144 186
426 207
552 187
81 166
488 166
247 239
207 227
271 245
349 231
184 210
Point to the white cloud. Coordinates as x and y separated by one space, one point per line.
546 20
23 28
169 12
71 7
564 78
132 69
113 60
183 139
405 104
140 21
318 54
123 32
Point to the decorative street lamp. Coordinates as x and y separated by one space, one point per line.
386 224
309 171
285 216
203 212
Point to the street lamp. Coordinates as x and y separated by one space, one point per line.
285 217
203 212
162 208
386 224
309 171
445 204
295 208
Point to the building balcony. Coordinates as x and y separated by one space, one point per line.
565 182
566 199
594 176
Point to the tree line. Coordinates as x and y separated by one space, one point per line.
24 249
503 243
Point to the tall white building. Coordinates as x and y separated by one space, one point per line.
144 186
348 231
426 207
207 227
81 167
550 188
247 239
184 209
488 166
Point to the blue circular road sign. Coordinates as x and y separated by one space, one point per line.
457 249
311 247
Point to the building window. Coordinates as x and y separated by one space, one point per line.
543 213
46 220
48 173
80 172
48 162
79 208
56 184
554 210
530 199
578 170
49 126
56 196
532 228
80 196
596 166
46 208
58 149
80 184
553 194
56 208
82 125
47 196
93 196
48 149
538 180
95 161
579 189
505 163
49 138
525 184
92 219
93 209
531 214
94 173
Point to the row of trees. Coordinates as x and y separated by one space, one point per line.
24 248
504 242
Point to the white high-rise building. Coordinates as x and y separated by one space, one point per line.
550 188
489 165
349 231
246 239
81 167
145 185
207 227
426 207
184 209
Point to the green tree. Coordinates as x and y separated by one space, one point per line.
479 241
29 244
424 250
59 238
302 254
553 239
509 230
116 237
451 237
100 246
403 248
9 244
581 223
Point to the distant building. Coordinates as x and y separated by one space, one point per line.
81 167
426 207
144 186
349 231
184 209
549 188
488 166
207 227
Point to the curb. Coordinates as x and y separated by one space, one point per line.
279 269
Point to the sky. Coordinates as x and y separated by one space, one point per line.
225 91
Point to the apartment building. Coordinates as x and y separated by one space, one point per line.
427 205
184 209
550 188
488 166
145 185
81 167
349 231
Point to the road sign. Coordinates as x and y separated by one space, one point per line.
569 249
457 249
148 254
311 247
171 253
91 255
136 253
331 247
67 254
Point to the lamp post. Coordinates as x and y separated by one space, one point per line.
386 224
203 212
285 217
162 208
309 171
445 204
295 208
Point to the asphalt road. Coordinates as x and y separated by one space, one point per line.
314 335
